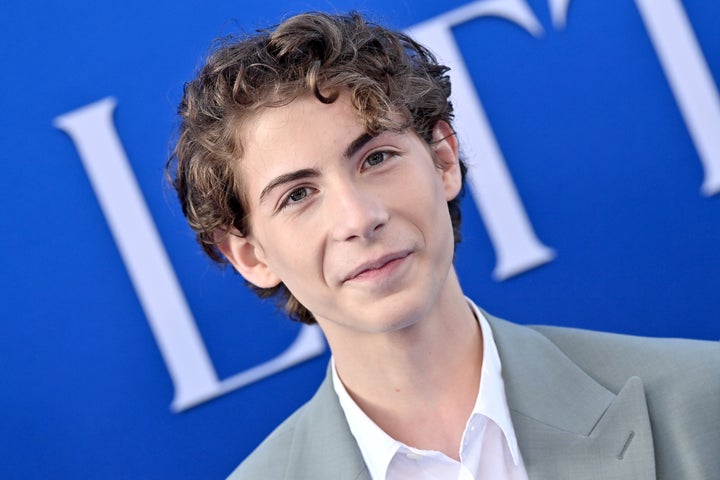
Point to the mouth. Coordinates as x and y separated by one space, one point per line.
375 268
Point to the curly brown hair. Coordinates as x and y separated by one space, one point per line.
384 71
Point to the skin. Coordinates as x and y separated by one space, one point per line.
357 227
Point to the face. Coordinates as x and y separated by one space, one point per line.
356 226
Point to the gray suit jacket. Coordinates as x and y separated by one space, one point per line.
585 405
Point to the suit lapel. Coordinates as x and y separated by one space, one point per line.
568 426
322 446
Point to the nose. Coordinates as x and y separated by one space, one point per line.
357 214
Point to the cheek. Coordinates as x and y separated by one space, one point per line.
423 193
294 260
294 248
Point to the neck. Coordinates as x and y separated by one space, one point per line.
419 383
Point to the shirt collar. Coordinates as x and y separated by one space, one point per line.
378 448
491 401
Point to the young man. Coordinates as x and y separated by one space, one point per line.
320 161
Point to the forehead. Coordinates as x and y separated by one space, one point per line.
291 123
304 133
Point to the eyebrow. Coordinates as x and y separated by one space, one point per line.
357 144
287 178
351 150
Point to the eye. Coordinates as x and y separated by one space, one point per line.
374 159
295 196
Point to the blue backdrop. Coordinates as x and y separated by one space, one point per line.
605 118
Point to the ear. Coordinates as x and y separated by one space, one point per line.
248 258
445 146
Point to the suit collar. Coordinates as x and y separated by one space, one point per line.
544 384
323 447
567 424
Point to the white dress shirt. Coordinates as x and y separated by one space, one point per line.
488 449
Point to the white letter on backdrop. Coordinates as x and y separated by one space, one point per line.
93 132
690 80
516 246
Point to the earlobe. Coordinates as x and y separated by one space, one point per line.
248 259
445 146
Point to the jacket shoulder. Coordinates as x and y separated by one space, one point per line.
270 458
314 442
681 379
611 358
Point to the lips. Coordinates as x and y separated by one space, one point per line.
375 264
